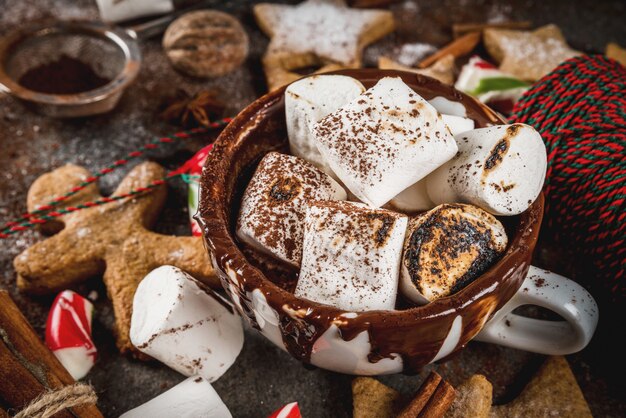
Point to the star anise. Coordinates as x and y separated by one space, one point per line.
194 112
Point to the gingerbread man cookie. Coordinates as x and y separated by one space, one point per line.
112 240
323 33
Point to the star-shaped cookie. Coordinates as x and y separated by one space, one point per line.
616 52
528 55
552 392
112 240
323 33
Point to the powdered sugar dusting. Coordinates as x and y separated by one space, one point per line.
530 55
83 232
411 54
326 28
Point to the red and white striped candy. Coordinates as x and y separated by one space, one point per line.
290 410
68 333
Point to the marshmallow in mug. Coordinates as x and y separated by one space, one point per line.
384 141
272 207
309 100
415 198
446 248
351 256
118 11
457 124
412 199
181 323
500 169
193 397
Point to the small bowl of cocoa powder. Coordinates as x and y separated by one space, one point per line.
69 69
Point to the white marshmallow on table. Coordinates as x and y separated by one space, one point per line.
180 322
272 208
351 256
309 100
192 398
500 168
446 248
384 141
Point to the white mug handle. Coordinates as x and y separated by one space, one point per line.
556 293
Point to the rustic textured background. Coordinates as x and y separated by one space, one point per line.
264 377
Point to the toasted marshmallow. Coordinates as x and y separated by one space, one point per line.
193 397
501 169
351 256
457 124
446 248
181 323
309 100
384 141
272 209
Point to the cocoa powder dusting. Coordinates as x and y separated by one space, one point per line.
66 75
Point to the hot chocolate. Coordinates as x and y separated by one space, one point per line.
376 341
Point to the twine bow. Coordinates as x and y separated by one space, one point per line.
50 403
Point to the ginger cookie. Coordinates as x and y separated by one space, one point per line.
112 240
372 399
616 52
319 33
552 392
206 43
473 399
528 55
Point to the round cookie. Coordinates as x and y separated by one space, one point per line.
206 43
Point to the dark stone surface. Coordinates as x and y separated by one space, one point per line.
264 377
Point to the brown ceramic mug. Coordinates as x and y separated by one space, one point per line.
379 342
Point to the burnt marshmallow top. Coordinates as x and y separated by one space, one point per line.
448 247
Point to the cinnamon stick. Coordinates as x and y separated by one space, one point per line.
460 29
432 399
27 367
457 48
